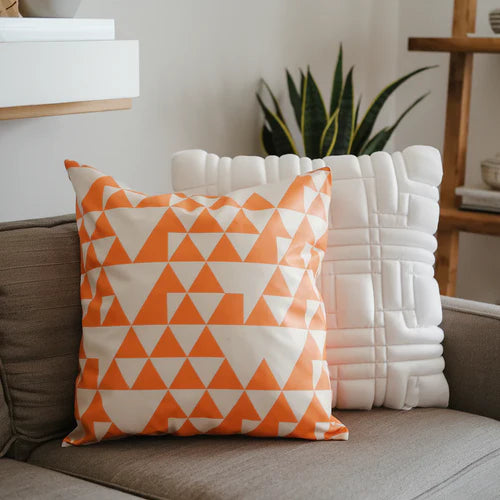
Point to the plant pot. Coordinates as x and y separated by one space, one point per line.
48 8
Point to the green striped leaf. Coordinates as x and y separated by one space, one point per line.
337 83
266 140
379 140
365 128
295 97
329 135
356 114
281 137
302 81
345 118
277 108
313 117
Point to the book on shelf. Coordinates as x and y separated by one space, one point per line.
480 197
30 29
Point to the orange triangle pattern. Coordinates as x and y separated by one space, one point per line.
241 224
167 408
149 379
113 380
242 410
115 316
187 378
280 412
187 252
131 347
187 314
225 378
206 282
186 338
206 346
224 251
263 379
206 223
206 408
168 347
154 311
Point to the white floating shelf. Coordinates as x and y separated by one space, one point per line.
51 78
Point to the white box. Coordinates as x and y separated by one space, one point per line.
36 73
32 29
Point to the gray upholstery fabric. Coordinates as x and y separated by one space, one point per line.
20 481
427 452
390 454
5 428
40 326
472 355
478 482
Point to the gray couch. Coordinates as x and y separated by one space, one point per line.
424 453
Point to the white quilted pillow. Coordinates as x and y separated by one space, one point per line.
383 305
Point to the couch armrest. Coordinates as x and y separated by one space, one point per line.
472 355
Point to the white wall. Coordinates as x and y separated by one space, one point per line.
201 62
479 262
200 67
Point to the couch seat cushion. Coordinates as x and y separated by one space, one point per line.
391 454
21 481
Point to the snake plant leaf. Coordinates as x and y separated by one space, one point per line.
313 117
356 114
266 139
295 97
281 137
379 140
302 81
366 126
346 118
277 108
329 135
337 83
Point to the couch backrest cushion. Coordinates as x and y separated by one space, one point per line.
5 428
40 326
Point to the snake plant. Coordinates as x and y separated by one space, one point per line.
335 131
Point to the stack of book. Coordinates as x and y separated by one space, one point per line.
30 29
480 198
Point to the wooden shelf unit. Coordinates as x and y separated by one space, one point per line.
485 45
64 108
452 220
470 221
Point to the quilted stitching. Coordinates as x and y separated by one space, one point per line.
382 301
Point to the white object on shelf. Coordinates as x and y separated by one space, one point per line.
26 29
490 171
494 17
36 73
48 8
479 197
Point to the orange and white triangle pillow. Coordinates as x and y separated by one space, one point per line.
201 314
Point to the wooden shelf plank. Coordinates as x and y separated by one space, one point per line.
468 221
455 44
64 108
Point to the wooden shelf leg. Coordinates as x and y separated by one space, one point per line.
447 261
455 143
